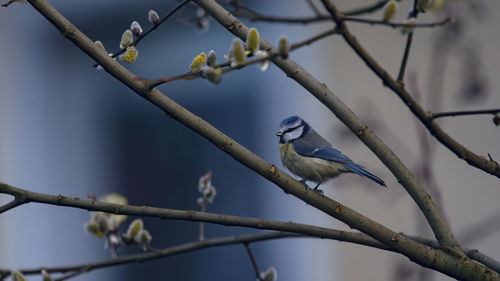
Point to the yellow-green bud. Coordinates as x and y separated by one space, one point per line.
116 198
134 228
99 45
423 5
93 228
437 5
238 53
283 47
390 10
253 40
127 39
144 239
18 276
130 55
198 62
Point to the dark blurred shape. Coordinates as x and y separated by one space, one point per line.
474 82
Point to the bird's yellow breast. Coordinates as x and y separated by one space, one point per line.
309 168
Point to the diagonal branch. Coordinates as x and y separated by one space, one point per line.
434 129
448 263
320 91
422 198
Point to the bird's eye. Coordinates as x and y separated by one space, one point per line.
291 129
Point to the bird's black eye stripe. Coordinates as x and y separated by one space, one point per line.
291 129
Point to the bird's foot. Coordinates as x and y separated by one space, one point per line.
303 181
318 190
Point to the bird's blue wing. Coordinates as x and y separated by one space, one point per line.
313 145
307 149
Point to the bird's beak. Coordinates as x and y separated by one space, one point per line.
279 133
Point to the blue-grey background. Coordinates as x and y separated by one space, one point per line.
68 129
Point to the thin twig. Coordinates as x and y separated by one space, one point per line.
201 235
254 262
12 204
79 271
252 15
142 257
313 39
154 27
464 112
404 60
198 74
313 7
366 10
398 25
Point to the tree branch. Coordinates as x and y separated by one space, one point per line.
245 12
422 198
287 229
18 200
434 129
142 257
320 91
189 215
229 68
254 262
442 261
464 112
395 25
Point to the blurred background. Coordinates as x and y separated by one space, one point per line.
66 128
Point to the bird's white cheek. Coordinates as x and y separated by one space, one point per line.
295 134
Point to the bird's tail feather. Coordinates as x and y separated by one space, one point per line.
360 171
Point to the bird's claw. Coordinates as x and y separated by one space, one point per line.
318 190
303 181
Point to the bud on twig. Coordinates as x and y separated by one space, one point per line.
127 39
153 17
283 47
136 28
390 10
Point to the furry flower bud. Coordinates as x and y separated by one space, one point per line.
130 55
127 39
136 28
269 275
253 40
283 47
198 62
390 10
238 53
212 59
423 5
153 17
211 74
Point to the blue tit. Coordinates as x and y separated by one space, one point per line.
308 155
